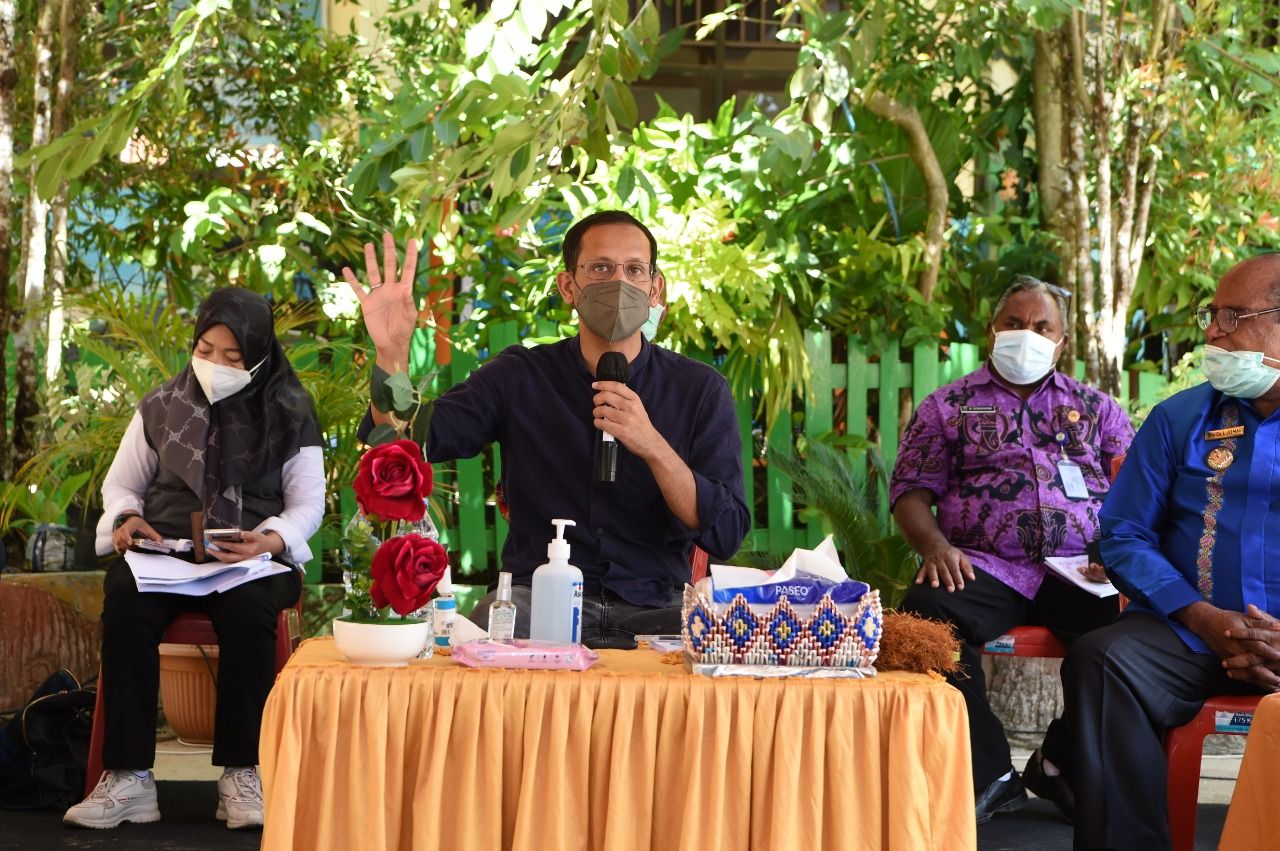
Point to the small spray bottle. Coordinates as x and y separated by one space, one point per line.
502 612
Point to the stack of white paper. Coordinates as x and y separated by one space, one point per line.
169 575
1068 567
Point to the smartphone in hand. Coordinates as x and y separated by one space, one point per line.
223 535
146 545
166 546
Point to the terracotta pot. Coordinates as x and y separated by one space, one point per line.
187 690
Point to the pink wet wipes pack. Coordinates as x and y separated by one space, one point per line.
525 653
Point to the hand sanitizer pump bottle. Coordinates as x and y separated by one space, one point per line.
555 613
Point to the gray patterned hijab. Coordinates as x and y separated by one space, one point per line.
217 448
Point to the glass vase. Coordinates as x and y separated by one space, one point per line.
360 539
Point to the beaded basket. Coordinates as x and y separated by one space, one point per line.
826 638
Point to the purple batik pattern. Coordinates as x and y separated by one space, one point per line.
991 461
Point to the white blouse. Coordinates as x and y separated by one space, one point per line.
135 466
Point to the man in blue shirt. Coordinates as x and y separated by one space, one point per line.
679 472
1191 533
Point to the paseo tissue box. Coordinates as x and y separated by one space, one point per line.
807 614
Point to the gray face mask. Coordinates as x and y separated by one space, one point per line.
613 310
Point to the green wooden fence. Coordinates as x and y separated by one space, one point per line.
860 394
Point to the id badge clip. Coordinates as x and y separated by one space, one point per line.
1072 480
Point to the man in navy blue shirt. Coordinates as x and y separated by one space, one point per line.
1191 533
679 473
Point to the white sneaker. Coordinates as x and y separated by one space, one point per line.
120 796
240 797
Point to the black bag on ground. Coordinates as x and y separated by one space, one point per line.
44 749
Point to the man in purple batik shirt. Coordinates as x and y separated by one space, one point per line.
1016 458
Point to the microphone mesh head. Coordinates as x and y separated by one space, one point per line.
612 366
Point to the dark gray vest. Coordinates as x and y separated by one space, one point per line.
169 503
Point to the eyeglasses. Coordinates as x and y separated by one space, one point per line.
602 270
1061 292
1227 317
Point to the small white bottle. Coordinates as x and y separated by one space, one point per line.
502 612
555 612
445 609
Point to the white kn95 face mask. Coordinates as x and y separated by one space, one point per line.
220 382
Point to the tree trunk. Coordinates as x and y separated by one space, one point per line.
68 37
1077 223
8 86
1110 328
57 287
32 264
1053 182
1137 182
926 160
1050 123
1111 125
1025 693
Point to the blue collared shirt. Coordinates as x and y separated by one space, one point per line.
536 403
1169 528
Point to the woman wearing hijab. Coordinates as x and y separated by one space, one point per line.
233 437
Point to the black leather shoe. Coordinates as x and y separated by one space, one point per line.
1054 788
1002 796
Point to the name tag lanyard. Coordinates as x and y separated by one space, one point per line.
1069 472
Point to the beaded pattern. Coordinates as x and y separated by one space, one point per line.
1204 557
826 638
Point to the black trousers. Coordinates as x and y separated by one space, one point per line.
986 609
132 624
1125 685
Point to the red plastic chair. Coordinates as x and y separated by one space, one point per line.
699 564
1183 747
190 628
1036 641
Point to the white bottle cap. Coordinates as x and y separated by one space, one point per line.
444 587
558 549
504 587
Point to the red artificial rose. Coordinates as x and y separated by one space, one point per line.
405 572
393 481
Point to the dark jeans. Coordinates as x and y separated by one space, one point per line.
608 621
987 609
245 619
1124 686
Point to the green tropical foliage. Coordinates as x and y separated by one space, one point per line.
835 492
25 507
229 141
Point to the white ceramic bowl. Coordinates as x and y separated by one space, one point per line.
389 644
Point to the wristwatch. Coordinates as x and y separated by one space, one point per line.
121 518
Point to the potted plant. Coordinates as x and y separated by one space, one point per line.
393 558
41 512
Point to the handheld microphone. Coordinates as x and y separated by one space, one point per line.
612 366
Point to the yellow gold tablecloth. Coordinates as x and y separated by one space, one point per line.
1253 820
633 754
